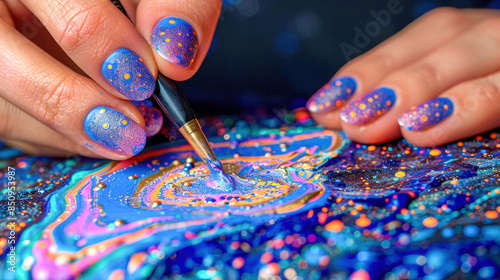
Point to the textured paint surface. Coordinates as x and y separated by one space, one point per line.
332 95
114 131
306 203
369 107
128 74
427 114
152 117
175 40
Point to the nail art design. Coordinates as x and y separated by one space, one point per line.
175 40
369 107
332 95
427 114
152 116
115 131
127 73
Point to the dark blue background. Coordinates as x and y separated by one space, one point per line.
275 54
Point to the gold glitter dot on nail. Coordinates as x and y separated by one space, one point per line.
167 40
126 76
110 66
171 21
362 106
179 44
105 126
124 122
424 118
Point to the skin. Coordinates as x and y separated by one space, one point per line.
446 53
50 65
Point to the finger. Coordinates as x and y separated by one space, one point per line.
471 55
102 42
179 31
30 27
397 52
63 100
36 150
5 14
472 109
19 126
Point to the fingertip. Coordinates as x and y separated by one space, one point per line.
179 33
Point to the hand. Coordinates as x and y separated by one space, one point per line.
446 64
68 69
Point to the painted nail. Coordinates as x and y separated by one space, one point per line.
369 107
128 74
152 116
332 95
175 40
115 131
426 114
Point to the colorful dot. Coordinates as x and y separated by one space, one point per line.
334 226
110 66
171 21
435 152
105 126
491 214
167 40
430 222
400 174
126 76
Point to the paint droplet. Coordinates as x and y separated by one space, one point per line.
363 221
400 174
119 222
430 222
435 152
491 214
334 226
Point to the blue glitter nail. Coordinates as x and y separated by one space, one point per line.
369 107
115 131
332 95
427 114
175 40
128 74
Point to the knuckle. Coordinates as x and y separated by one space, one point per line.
9 117
421 76
78 26
56 99
487 88
386 61
488 29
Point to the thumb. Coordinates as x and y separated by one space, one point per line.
179 31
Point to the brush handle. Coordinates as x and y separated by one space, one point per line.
173 102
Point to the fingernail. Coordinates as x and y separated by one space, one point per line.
115 131
128 74
369 107
332 95
152 116
426 114
175 40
